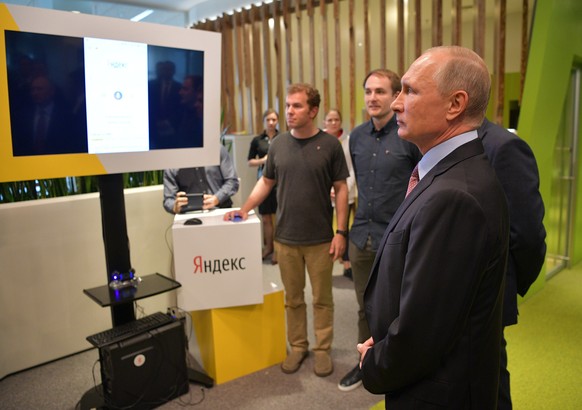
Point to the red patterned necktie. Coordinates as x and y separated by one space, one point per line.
413 180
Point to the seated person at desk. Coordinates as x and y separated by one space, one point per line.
218 183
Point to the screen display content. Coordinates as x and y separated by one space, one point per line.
89 95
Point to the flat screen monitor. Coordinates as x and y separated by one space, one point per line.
89 95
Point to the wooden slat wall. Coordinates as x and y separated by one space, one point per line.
260 59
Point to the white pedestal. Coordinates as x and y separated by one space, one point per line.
217 262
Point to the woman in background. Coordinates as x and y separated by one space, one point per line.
333 126
258 158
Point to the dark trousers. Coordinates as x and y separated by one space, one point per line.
504 399
362 261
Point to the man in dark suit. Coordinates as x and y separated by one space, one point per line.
517 170
46 125
164 105
435 295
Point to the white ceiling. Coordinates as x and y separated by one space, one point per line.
175 5
194 10
170 12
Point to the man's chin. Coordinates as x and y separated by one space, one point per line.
402 134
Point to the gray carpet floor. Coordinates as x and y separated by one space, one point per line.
62 383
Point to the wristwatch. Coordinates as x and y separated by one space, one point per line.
343 233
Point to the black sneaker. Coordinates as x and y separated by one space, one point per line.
352 380
348 273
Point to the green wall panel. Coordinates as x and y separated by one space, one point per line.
556 43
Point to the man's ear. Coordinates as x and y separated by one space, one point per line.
313 112
457 104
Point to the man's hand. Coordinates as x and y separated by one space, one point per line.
210 201
233 215
363 349
338 246
181 201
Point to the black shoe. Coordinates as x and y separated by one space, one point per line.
352 380
348 273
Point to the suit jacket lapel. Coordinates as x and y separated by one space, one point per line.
470 149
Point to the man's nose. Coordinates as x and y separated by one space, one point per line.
396 104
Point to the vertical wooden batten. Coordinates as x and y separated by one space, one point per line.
437 23
338 55
457 22
265 16
227 92
278 63
479 27
288 40
500 30
324 56
298 14
237 19
383 47
401 36
524 45
367 63
352 64
248 76
258 68
312 42
417 32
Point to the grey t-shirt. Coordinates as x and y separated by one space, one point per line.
305 170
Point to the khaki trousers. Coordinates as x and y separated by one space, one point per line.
292 263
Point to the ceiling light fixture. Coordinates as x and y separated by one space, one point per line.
142 15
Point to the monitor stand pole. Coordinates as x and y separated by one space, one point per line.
116 242
115 238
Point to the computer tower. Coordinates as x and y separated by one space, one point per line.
147 370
